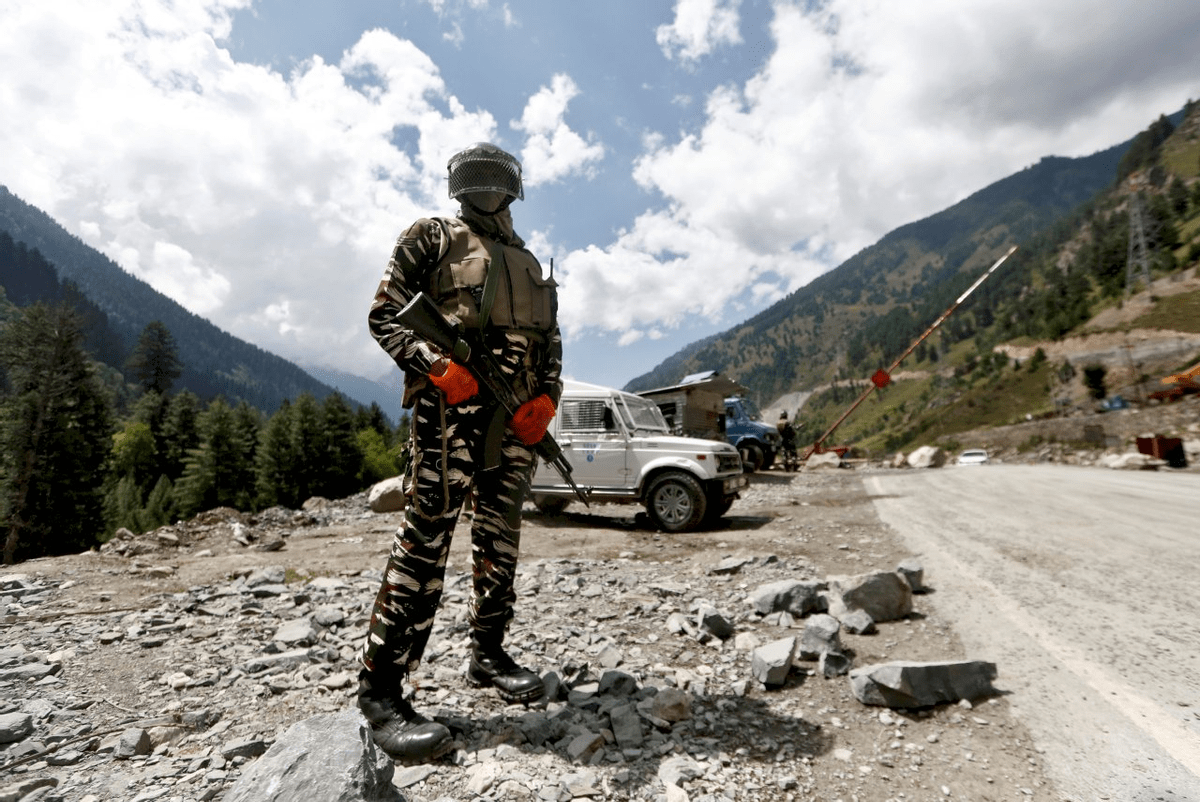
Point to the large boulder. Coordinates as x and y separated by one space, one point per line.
387 496
927 457
821 634
911 569
710 621
772 663
15 727
795 596
826 459
883 595
905 684
326 758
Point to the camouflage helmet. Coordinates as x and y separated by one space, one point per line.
484 167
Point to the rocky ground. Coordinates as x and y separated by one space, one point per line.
160 667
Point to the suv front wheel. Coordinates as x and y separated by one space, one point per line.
676 502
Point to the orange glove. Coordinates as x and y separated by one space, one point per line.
530 420
455 381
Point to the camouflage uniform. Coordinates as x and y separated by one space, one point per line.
447 451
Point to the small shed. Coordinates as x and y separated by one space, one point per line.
696 406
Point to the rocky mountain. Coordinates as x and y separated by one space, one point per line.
1069 217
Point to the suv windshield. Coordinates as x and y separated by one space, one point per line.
641 414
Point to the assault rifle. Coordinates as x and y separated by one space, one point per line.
422 316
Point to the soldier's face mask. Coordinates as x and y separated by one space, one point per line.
487 201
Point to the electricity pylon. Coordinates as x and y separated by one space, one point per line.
1137 265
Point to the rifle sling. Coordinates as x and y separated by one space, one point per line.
495 270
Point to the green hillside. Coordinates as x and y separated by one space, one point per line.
1070 219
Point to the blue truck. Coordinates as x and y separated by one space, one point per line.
756 441
714 407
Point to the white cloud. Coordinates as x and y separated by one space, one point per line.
269 201
223 183
869 115
699 28
552 150
279 314
180 275
662 272
455 35
455 10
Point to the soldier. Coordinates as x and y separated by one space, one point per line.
479 273
788 437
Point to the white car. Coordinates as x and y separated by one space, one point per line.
973 456
621 450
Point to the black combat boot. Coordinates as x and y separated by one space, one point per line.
396 728
491 665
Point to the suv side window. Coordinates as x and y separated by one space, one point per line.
585 416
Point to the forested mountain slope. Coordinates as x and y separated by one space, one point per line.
882 297
214 361
865 312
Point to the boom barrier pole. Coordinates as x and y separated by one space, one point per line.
883 378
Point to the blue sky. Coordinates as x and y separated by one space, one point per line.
687 163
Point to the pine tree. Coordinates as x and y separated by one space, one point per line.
247 423
159 509
343 458
308 441
150 408
122 506
180 433
216 473
1178 195
154 362
275 460
54 429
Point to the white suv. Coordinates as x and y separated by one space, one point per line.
973 456
621 450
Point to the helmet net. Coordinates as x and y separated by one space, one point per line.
485 168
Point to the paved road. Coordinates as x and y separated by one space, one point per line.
1083 586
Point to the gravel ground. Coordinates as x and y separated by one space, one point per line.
192 625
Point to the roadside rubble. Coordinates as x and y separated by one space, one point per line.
662 681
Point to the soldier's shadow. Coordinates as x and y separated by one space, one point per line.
743 729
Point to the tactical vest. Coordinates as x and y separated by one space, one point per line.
523 299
